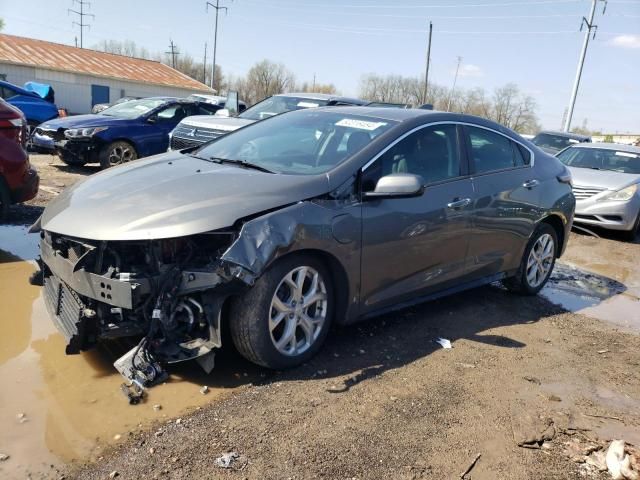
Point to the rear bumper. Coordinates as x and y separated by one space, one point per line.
28 189
610 215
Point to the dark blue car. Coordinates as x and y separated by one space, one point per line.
35 108
119 134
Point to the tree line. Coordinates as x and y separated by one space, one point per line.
507 105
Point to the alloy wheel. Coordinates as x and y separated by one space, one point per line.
540 260
120 154
298 311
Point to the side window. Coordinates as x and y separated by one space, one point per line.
431 152
491 151
173 113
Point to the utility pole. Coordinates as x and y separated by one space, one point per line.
313 89
576 85
204 65
173 52
426 73
455 79
217 7
81 16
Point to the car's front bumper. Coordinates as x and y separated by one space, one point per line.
612 215
85 149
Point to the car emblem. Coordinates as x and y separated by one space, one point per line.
192 133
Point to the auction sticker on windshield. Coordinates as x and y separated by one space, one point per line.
360 124
625 154
307 105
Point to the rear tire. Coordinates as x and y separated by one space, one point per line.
283 320
5 200
117 153
537 262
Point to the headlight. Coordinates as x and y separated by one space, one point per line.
622 195
83 132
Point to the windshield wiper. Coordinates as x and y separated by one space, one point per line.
240 163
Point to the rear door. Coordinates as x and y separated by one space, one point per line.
507 201
416 245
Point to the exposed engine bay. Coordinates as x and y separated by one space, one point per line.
160 290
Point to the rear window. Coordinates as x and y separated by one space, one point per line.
491 151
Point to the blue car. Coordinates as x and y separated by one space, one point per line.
35 108
119 134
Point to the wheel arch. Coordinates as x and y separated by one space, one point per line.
555 222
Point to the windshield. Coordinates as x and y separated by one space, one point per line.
556 142
277 104
133 108
303 143
601 159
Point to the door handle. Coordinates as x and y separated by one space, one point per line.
459 203
530 184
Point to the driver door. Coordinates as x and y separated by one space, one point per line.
160 124
418 245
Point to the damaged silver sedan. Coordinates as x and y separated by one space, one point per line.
287 225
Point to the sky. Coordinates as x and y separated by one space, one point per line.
533 43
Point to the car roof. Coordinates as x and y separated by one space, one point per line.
20 90
574 136
323 96
620 147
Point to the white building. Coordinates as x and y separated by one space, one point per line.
81 77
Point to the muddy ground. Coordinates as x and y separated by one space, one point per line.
384 400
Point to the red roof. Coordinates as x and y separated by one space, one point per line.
55 56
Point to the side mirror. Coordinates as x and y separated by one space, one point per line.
223 112
397 185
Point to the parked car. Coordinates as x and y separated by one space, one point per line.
216 100
283 227
552 142
99 107
606 184
35 108
18 179
195 131
119 134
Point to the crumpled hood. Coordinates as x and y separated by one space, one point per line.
83 121
171 195
588 177
226 124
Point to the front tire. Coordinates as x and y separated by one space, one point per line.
284 318
117 153
631 235
537 262
5 200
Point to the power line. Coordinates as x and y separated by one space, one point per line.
173 52
217 8
452 5
587 34
81 16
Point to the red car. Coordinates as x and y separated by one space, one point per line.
18 179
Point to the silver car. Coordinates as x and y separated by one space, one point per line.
605 184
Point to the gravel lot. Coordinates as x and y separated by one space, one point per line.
383 400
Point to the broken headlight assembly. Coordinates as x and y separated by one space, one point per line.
164 291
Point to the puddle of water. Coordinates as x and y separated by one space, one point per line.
595 295
72 404
16 242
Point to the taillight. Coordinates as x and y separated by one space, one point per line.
14 129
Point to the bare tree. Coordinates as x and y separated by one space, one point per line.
329 88
267 78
